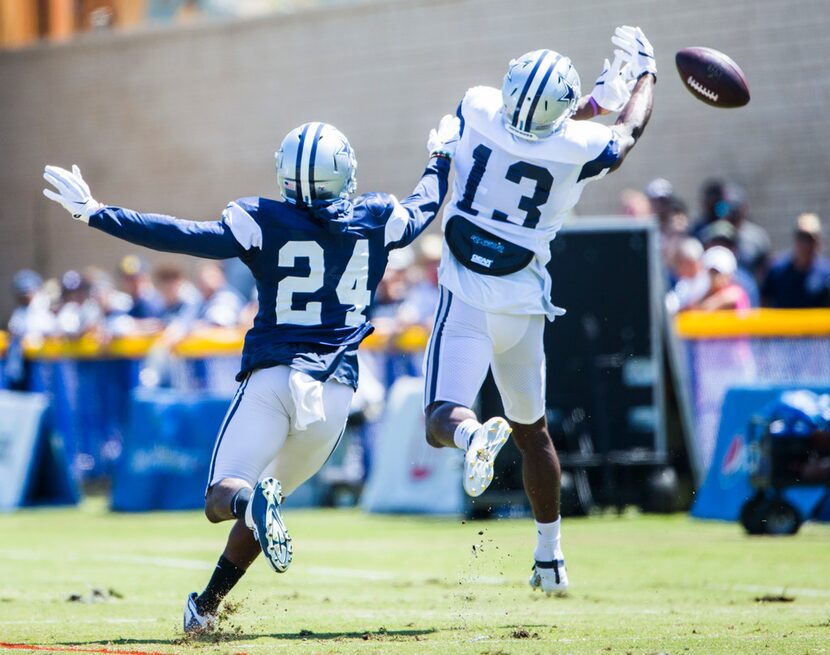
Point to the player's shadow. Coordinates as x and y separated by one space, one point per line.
307 635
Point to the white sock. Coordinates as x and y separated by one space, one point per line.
464 432
547 541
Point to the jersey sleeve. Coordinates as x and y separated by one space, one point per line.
208 239
602 163
412 215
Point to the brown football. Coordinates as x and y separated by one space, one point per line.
712 77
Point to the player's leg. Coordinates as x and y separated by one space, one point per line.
306 451
519 372
254 429
456 363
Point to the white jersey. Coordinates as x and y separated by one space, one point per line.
520 191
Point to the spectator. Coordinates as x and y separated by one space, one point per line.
180 299
752 241
78 313
724 292
723 233
635 204
32 316
115 305
135 278
221 306
801 278
671 216
692 280
712 195
31 319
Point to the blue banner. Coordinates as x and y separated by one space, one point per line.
167 449
727 487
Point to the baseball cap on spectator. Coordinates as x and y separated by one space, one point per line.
719 231
131 265
808 225
721 260
26 281
659 188
73 281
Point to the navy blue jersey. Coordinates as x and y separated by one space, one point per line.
316 269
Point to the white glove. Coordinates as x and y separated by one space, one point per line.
444 140
73 193
635 48
614 85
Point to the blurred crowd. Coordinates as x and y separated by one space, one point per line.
721 259
139 299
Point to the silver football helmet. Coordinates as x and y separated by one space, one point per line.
315 162
540 92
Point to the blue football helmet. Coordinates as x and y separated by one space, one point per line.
315 162
540 90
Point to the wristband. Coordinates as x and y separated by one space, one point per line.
593 104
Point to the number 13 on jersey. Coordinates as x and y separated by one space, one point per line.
517 172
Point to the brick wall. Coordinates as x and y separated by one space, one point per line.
182 120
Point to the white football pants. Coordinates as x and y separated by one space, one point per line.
466 342
260 436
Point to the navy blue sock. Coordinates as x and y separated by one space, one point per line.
224 578
239 502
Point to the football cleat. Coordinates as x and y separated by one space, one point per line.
550 577
263 517
196 623
485 444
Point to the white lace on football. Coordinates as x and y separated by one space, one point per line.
702 90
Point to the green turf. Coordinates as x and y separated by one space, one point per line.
372 584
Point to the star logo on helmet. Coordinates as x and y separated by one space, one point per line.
569 94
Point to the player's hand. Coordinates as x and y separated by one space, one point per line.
614 84
634 47
73 192
444 139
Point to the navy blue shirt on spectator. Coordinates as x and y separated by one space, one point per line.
801 278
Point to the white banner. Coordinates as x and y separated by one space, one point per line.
409 475
21 416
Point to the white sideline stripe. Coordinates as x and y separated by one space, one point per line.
199 565
765 589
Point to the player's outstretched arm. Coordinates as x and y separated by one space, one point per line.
634 117
209 239
414 213
638 51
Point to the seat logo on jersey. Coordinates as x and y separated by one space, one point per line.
481 261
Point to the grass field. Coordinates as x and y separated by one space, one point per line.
370 584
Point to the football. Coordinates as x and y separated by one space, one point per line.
712 77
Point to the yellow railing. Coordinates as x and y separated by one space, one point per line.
215 342
754 323
218 342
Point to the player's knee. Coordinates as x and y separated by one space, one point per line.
211 511
530 438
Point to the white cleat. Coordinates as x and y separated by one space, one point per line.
194 622
486 443
263 517
550 577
